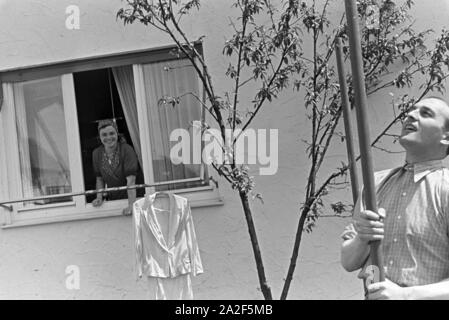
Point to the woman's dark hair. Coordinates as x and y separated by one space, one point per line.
106 123
110 122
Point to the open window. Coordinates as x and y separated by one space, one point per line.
97 97
49 116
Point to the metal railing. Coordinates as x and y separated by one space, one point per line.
90 192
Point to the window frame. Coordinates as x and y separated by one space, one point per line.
78 209
73 144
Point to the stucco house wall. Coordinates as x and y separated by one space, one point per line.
33 259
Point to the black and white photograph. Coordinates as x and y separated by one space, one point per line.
224 150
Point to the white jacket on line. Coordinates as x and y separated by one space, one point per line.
160 257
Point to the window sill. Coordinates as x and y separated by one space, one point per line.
202 197
66 218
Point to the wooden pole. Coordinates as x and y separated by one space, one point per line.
358 77
347 122
348 127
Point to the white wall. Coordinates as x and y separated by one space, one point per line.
33 259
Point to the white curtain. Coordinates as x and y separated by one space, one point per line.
171 79
124 80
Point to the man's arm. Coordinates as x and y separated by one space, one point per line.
367 227
438 291
353 253
387 290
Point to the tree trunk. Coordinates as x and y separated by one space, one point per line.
266 290
292 266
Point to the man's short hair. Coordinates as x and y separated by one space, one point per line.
436 98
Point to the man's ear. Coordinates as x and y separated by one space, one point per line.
445 139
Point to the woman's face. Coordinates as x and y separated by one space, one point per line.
108 137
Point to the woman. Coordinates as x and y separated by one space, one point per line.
115 164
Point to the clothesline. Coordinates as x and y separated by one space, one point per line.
89 192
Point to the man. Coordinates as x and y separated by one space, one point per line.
413 217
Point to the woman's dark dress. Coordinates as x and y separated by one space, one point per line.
124 163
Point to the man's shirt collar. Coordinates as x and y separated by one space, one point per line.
422 169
